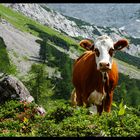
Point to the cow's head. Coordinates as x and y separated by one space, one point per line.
104 48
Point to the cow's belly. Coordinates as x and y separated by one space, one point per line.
96 97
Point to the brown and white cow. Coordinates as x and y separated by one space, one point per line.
95 73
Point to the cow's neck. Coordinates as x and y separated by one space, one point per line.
105 80
105 77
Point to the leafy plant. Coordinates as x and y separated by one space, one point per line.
61 113
121 108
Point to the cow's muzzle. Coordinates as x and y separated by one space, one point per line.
104 67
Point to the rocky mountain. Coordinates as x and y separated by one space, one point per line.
119 15
50 18
78 28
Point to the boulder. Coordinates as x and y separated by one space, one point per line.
13 88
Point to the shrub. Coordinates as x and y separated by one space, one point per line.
65 121
61 113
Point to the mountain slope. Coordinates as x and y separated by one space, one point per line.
121 15
49 18
24 46
74 27
24 53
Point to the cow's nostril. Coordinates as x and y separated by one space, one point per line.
100 64
107 65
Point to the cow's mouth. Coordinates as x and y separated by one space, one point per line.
104 69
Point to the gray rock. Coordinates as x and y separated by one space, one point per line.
12 88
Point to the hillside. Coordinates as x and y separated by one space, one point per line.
135 63
22 46
77 28
42 59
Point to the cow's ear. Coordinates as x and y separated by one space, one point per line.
121 44
87 44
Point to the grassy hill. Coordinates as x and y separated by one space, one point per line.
53 93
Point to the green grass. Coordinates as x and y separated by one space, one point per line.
25 58
65 121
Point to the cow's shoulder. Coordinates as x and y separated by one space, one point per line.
85 56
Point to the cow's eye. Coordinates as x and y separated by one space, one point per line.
111 51
97 52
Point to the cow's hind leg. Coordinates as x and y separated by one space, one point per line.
79 99
73 98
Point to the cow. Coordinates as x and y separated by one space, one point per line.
95 73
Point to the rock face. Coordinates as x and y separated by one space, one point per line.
121 15
12 88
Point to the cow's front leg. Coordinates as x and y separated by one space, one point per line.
108 102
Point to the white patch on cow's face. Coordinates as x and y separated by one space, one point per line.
103 44
96 98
